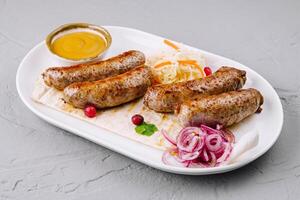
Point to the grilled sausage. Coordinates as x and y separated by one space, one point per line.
223 109
166 97
61 77
111 91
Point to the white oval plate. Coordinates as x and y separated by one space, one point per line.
268 123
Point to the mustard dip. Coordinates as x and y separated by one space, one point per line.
79 45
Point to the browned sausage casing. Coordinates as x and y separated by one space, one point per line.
61 77
166 97
111 91
224 109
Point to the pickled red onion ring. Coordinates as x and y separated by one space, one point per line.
226 153
199 147
170 158
188 156
209 130
228 135
211 163
190 139
213 142
168 138
212 160
204 156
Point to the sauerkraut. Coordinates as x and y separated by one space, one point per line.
175 63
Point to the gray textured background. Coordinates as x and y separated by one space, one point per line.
40 161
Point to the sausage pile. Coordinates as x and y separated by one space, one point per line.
215 99
103 84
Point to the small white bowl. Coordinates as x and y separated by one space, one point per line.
78 27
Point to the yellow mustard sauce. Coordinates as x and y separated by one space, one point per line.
79 45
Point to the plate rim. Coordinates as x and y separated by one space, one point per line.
163 167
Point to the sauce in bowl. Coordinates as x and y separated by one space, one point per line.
79 45
78 42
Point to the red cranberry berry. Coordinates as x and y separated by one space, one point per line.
90 111
137 119
207 71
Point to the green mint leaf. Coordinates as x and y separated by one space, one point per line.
140 128
146 129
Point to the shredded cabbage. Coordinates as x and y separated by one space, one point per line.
177 65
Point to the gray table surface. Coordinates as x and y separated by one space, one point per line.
40 161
